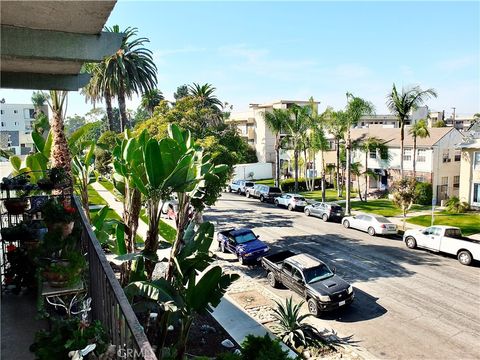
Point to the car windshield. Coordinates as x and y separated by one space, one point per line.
382 219
249 184
318 273
244 238
275 190
299 198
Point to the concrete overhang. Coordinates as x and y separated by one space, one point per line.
45 43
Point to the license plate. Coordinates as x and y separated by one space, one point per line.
341 303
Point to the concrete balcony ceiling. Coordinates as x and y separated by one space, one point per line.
45 43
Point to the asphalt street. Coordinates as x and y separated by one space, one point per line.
410 304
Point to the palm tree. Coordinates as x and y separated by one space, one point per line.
130 70
355 170
356 108
60 154
205 93
337 125
150 99
420 129
402 104
297 126
276 122
98 89
372 143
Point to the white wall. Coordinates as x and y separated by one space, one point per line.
259 170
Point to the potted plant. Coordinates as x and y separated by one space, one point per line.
66 271
15 183
55 178
19 232
58 216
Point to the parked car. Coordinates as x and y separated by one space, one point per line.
240 186
309 277
373 224
446 239
264 192
243 243
325 211
291 201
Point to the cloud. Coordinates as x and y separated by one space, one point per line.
458 63
160 55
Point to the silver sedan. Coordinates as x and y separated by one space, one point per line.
371 223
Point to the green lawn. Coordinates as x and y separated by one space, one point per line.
166 231
269 182
383 207
330 195
469 223
108 185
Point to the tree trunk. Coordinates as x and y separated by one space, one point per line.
130 217
305 164
60 155
324 195
109 109
402 137
339 188
414 157
277 160
359 188
366 175
349 145
151 242
295 156
122 108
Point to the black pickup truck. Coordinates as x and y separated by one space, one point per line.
309 277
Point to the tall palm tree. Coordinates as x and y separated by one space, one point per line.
356 108
208 100
98 89
355 169
60 154
150 99
297 126
369 144
419 129
276 121
402 104
130 70
337 126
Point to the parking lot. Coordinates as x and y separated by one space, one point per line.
409 303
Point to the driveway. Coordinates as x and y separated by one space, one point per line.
409 303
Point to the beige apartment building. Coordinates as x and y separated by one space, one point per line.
470 172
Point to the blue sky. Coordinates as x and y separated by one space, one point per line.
263 51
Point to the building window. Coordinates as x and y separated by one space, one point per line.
421 155
444 180
457 155
476 194
372 182
3 124
28 113
373 154
15 111
407 154
456 181
476 160
446 155
1 112
420 178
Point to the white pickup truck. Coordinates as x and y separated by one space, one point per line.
446 239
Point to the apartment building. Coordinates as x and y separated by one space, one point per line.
391 121
251 125
470 172
16 125
437 159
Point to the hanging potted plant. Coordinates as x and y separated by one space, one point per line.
54 178
16 205
66 271
19 232
58 217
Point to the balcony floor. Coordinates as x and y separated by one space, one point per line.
18 326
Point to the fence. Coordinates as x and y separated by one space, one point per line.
109 303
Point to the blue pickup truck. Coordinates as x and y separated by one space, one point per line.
243 243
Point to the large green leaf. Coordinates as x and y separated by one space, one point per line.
73 139
159 290
39 141
120 239
16 162
153 165
90 154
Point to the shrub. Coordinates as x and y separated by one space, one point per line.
454 205
259 348
423 193
288 185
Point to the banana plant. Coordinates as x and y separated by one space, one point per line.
83 169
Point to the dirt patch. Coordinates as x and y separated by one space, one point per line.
251 299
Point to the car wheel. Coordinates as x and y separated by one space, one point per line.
271 280
464 257
325 217
239 192
222 247
276 203
346 224
229 189
247 194
241 260
262 199
290 207
312 307
411 242
371 231
307 212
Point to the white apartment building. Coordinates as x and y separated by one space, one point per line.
391 121
16 125
437 160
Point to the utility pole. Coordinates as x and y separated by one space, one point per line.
453 122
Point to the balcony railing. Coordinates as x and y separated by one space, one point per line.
109 304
